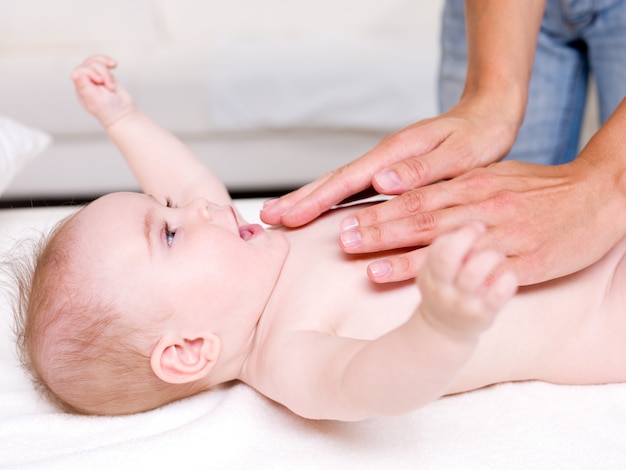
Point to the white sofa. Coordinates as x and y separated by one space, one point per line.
271 93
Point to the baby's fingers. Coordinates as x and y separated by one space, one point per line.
101 59
485 277
501 291
449 251
97 69
478 271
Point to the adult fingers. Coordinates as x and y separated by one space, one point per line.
273 209
450 248
448 146
310 201
416 171
420 200
398 267
412 231
307 203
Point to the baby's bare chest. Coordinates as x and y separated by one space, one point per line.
326 290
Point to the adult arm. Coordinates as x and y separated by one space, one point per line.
480 129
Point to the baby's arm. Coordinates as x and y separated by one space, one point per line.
164 166
417 362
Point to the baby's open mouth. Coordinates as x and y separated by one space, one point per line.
248 232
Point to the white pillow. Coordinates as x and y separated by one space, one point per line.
18 145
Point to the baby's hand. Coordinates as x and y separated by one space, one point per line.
98 91
460 293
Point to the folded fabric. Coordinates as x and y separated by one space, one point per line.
18 145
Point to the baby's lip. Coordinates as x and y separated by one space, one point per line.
249 231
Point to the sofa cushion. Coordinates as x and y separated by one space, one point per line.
322 83
199 67
68 25
193 21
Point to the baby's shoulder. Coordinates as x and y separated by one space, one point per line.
301 368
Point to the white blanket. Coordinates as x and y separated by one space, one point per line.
529 425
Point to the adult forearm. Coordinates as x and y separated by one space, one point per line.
602 165
501 41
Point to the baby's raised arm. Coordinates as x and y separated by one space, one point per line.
164 166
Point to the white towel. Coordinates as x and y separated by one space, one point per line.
529 425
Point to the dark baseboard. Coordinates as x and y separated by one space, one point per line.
58 201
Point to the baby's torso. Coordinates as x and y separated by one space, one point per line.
560 331
570 330
329 292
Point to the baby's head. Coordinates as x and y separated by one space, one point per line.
76 340
132 304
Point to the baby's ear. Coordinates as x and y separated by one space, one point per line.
180 360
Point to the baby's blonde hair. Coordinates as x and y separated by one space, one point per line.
74 342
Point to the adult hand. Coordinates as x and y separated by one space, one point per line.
549 221
474 133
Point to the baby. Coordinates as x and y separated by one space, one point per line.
138 300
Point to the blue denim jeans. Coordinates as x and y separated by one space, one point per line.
577 38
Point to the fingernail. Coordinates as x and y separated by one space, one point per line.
350 239
388 180
349 223
380 268
269 203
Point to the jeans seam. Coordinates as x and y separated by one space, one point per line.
563 141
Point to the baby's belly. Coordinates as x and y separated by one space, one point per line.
561 333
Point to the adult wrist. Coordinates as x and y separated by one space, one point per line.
502 97
500 110
602 163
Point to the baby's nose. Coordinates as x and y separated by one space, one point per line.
202 207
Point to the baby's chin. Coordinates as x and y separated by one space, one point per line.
274 239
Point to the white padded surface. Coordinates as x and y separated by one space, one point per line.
513 426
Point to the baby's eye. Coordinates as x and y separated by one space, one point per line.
169 234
